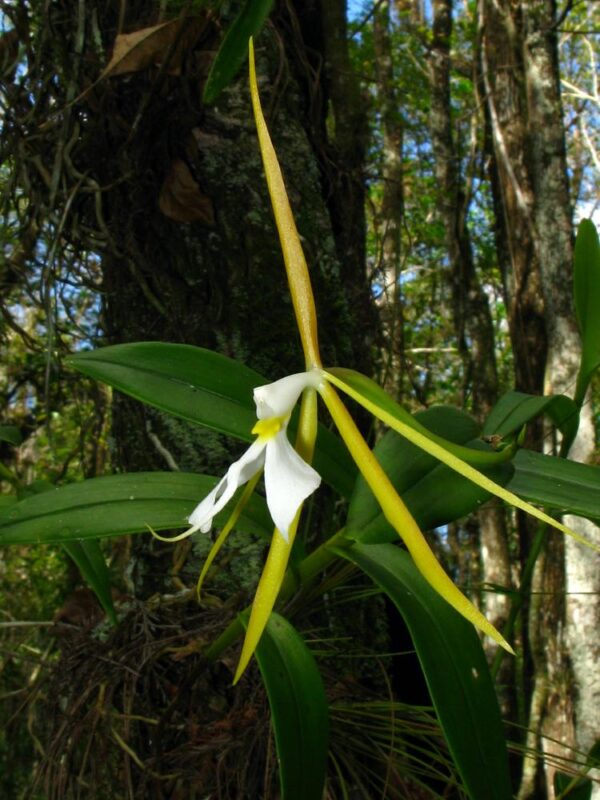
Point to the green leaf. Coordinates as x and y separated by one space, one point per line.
298 709
234 48
118 504
8 433
205 388
90 560
372 392
557 483
454 666
516 409
433 493
586 284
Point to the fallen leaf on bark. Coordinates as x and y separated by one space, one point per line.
148 47
181 198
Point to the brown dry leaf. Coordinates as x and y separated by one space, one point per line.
141 49
181 199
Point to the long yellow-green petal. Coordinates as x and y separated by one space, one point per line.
279 552
455 463
227 528
266 594
293 255
400 517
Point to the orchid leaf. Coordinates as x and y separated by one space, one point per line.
433 493
454 666
206 389
372 392
516 409
557 483
426 443
586 284
234 48
299 709
90 561
118 504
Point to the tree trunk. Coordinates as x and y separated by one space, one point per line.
194 253
553 221
472 318
520 77
389 220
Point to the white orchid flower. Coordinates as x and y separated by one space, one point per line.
289 480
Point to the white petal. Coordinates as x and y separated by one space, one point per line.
289 480
278 399
238 473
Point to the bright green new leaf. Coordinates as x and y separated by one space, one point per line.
299 709
115 505
586 284
205 388
234 49
90 561
454 666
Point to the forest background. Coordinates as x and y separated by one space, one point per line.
438 157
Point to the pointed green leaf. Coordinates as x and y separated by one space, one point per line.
433 493
447 455
234 48
205 388
118 504
90 561
454 666
372 392
516 409
557 483
298 709
586 284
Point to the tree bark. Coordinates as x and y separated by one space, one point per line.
529 174
217 280
472 317
389 220
553 221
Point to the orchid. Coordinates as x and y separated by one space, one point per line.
289 478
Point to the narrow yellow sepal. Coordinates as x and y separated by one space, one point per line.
400 517
455 463
266 594
293 255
